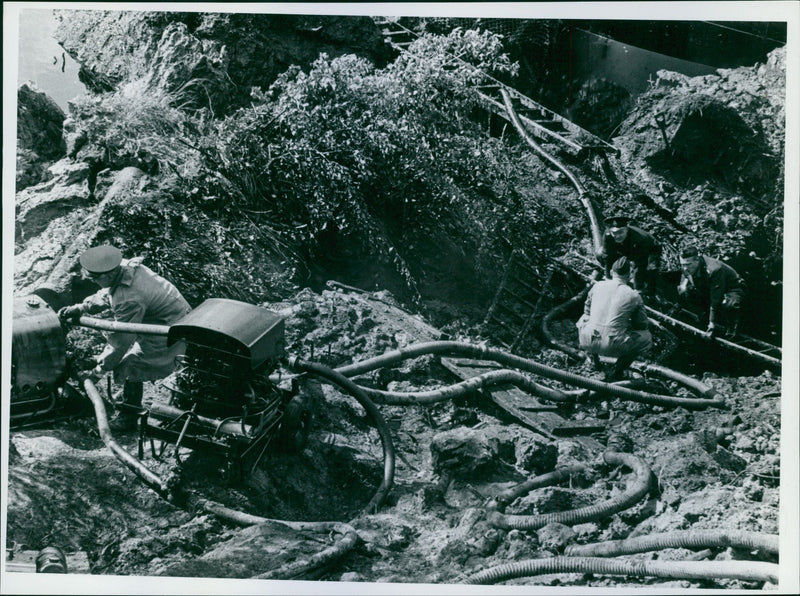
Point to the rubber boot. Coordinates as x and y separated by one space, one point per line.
132 392
617 373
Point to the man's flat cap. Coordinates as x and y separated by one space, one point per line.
617 221
101 259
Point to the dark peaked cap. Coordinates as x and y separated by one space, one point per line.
101 259
617 221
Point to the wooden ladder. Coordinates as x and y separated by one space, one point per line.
543 123
518 300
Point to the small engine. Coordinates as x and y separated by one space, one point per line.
222 397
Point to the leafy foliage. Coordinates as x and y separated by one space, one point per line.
384 158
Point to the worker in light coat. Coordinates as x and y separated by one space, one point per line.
136 295
614 322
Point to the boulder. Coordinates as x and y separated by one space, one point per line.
535 454
40 123
470 454
555 537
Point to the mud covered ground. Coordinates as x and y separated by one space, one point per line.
712 469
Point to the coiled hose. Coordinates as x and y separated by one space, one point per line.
767 543
294 569
484 381
692 570
464 349
374 413
597 512
557 476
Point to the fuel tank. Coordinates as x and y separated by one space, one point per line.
38 350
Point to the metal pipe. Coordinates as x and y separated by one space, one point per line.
771 361
767 543
481 352
596 512
150 478
692 570
121 327
230 426
484 381
372 410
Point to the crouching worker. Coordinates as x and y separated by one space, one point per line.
136 295
614 322
713 287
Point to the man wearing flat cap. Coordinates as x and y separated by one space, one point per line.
714 287
614 322
136 295
643 251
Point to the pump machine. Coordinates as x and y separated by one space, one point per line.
221 397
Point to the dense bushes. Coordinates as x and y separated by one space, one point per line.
384 159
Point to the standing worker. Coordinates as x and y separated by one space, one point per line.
136 295
643 251
714 287
614 322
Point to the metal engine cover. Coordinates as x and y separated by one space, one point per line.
38 349
242 329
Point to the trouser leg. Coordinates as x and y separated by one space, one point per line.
132 392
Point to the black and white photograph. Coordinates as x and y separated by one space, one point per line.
386 298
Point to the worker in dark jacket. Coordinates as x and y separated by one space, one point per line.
643 251
614 322
136 295
714 287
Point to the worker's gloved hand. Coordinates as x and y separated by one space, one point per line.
70 314
92 374
711 331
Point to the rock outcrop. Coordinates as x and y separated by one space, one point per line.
208 59
40 125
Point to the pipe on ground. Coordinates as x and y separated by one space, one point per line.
298 568
481 352
597 235
484 381
356 391
767 543
623 501
555 477
691 570
150 478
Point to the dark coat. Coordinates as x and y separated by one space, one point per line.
639 246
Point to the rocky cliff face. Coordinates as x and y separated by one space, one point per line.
40 124
209 59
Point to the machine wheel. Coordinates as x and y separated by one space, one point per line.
295 426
